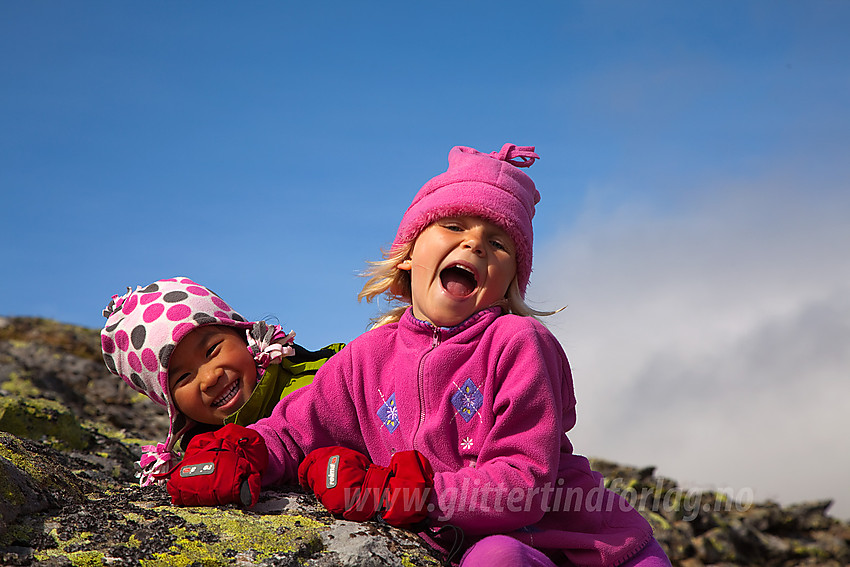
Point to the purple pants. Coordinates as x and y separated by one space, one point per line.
505 551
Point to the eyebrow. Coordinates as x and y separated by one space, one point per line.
203 334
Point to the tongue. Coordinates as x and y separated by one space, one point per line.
458 282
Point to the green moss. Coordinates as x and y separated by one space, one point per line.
717 540
804 549
49 477
8 491
16 533
86 558
74 340
408 561
188 552
139 398
38 419
115 434
236 530
658 522
20 386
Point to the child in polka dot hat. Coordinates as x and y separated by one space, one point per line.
185 348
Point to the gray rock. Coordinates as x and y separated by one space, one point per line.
70 496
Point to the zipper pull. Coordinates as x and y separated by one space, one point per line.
435 338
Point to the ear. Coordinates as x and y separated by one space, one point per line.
406 265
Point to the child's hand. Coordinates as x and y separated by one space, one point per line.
348 484
220 467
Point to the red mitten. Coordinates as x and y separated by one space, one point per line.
336 475
220 467
349 485
411 481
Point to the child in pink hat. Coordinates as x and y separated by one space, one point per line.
450 415
186 349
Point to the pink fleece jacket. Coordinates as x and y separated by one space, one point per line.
488 403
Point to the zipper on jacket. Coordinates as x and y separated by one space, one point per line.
420 380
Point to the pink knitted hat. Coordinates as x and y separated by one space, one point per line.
489 186
143 327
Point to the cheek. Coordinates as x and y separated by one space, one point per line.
503 273
181 397
509 271
248 384
249 372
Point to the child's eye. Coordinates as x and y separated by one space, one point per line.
182 378
454 227
498 245
211 350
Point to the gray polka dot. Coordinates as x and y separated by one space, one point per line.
237 317
165 355
138 336
137 380
110 363
114 326
175 296
204 319
150 288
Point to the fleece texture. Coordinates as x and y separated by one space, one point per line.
488 403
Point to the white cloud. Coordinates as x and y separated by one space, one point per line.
714 342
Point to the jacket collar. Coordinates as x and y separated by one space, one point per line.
411 323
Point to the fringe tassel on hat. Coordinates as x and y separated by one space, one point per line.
269 344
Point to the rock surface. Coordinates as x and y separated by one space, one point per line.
70 433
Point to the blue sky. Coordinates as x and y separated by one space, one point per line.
694 181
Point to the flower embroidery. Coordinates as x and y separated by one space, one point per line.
467 400
388 412
466 444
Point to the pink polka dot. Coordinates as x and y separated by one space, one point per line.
197 290
221 315
153 312
178 312
134 361
149 359
148 297
122 340
107 345
186 281
220 303
156 398
130 304
163 378
181 331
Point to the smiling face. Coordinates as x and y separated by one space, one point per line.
459 266
211 373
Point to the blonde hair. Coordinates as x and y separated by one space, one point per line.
387 280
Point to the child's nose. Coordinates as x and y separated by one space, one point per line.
210 377
473 243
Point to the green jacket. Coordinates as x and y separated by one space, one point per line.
280 380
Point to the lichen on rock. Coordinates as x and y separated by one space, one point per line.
40 419
69 495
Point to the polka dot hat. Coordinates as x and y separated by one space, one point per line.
143 327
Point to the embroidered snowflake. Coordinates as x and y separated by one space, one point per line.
467 400
388 412
466 444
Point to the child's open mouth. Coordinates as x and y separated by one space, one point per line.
458 280
226 396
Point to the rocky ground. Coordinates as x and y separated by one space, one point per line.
70 433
